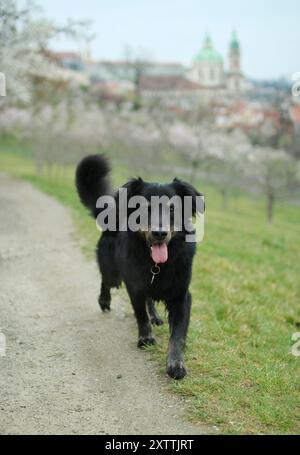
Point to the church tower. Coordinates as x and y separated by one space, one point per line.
236 82
234 55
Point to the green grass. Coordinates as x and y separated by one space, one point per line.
246 304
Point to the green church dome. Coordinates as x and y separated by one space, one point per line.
208 53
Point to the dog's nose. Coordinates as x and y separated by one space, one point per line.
159 235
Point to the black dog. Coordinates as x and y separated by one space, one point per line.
133 257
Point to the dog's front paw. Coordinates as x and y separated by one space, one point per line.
146 341
176 370
104 304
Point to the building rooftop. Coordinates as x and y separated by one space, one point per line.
165 83
208 52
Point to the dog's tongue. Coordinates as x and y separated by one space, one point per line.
159 253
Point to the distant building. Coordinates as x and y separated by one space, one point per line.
205 81
125 71
171 91
172 83
208 68
295 116
69 60
235 80
70 67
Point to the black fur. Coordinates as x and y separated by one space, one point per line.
125 256
91 180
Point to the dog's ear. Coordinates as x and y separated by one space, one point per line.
134 186
186 189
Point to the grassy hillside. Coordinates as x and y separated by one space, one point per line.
246 306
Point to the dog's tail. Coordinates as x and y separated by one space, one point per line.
92 181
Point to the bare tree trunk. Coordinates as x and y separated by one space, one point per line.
224 200
194 168
64 171
48 170
270 207
38 166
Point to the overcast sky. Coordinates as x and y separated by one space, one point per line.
173 30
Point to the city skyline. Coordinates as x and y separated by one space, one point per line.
174 31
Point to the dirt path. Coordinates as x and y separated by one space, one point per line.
68 368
